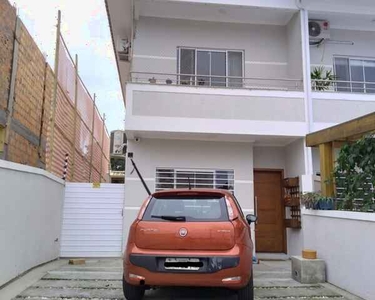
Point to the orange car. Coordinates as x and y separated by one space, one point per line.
189 237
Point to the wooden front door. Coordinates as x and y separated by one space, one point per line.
270 231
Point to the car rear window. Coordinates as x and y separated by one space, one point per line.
194 209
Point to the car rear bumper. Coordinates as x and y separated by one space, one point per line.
231 271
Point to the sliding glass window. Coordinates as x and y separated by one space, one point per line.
355 75
210 67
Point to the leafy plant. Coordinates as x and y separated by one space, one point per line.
315 200
355 174
321 79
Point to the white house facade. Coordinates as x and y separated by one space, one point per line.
220 92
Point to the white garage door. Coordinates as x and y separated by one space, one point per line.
92 220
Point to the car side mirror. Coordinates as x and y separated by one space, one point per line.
251 219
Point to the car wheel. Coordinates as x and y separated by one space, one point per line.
247 293
132 292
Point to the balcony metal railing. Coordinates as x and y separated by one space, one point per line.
343 86
217 81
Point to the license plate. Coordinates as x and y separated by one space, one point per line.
181 260
182 263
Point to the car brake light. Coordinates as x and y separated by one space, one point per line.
230 209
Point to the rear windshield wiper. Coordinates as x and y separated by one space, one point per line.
171 218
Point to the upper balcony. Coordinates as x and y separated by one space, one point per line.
234 78
347 52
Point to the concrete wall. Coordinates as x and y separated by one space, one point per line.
344 109
364 43
182 105
151 153
294 44
30 218
344 240
265 46
295 166
269 157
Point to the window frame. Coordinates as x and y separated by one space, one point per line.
350 82
195 171
195 75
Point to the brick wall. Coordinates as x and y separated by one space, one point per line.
33 96
8 23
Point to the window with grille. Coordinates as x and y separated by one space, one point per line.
167 178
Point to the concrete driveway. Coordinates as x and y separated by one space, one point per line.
101 279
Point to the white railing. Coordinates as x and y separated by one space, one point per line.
217 81
362 87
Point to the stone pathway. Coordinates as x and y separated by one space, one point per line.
101 280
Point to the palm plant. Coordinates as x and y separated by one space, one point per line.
321 79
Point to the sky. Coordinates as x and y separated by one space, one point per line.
86 32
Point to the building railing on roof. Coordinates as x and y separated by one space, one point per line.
234 82
342 86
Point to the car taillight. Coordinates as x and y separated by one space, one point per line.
230 209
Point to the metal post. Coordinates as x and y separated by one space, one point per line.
75 119
92 136
54 99
12 87
101 157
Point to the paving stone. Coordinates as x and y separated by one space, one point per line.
103 284
73 293
295 292
71 275
266 282
271 274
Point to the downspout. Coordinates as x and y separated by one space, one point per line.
307 85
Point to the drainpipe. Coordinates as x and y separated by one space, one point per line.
307 89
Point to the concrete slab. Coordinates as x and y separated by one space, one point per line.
101 279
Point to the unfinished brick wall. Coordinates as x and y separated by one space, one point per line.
8 23
30 131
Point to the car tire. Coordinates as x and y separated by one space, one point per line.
132 292
247 293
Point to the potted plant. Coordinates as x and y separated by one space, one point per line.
310 200
321 79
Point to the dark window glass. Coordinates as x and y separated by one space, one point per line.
342 74
194 209
187 66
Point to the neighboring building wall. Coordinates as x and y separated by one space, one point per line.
157 39
8 24
344 241
31 117
30 218
150 154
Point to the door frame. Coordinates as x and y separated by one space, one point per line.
281 172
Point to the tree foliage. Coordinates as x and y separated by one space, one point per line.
355 173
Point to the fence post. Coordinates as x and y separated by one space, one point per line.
10 105
54 99
101 157
92 136
75 119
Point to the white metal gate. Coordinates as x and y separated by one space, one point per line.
92 220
